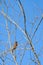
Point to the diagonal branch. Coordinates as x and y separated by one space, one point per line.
37 27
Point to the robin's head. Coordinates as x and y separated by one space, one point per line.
16 43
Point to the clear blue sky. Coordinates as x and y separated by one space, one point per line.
33 9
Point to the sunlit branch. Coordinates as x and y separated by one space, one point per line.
9 38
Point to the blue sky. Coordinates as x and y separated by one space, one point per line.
34 12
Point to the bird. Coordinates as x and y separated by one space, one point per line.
15 45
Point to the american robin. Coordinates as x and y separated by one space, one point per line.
15 46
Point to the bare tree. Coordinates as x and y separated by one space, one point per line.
14 36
